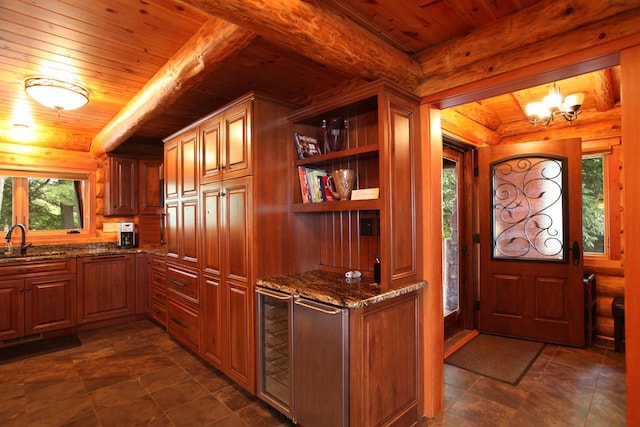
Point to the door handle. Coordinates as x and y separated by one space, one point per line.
576 253
318 307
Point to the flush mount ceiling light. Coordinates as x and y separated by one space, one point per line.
57 94
553 106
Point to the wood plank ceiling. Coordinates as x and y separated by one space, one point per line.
154 66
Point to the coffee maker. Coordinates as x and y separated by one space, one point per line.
126 234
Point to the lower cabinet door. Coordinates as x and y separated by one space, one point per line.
106 287
183 324
50 303
11 309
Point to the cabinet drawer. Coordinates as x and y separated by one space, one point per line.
184 283
28 269
182 324
159 279
159 312
158 263
158 294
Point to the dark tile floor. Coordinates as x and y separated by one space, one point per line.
564 387
127 375
134 374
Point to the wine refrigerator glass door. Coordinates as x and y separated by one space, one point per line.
275 313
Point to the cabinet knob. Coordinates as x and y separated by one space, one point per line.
223 194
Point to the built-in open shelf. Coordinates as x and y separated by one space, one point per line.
340 205
342 155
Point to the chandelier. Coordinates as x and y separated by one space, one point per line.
56 94
553 106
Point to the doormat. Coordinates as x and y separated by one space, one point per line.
37 348
501 358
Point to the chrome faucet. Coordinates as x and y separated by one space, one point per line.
23 244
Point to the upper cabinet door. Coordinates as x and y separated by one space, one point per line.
150 179
188 173
171 169
211 150
121 189
237 141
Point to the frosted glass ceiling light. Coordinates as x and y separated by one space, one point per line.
56 94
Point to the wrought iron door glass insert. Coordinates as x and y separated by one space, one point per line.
528 207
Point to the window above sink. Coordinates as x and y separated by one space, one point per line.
51 204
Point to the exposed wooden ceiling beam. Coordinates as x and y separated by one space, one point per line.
480 114
605 98
472 58
522 98
321 34
215 42
551 18
467 130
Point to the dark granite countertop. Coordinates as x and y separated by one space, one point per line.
334 288
47 252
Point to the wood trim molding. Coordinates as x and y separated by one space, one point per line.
630 86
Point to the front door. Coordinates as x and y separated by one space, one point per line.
530 217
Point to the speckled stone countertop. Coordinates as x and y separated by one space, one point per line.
333 288
46 252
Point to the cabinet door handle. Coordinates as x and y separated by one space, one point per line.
179 323
21 290
24 270
28 289
175 282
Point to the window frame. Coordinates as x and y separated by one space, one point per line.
20 202
609 149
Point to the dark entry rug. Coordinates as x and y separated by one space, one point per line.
501 358
37 348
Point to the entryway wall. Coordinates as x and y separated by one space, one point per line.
431 157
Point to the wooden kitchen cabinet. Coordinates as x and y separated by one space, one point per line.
381 143
106 287
156 301
227 234
181 230
225 144
132 186
149 186
12 303
385 337
37 297
183 305
240 227
181 165
121 186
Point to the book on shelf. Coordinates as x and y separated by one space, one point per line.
311 181
304 190
306 146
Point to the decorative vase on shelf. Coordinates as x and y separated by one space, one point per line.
333 134
342 180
